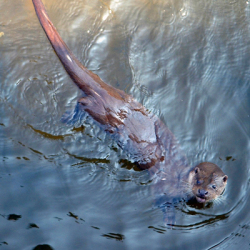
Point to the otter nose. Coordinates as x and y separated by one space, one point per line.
202 192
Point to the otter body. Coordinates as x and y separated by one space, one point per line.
141 134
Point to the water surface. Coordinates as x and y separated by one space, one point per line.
70 186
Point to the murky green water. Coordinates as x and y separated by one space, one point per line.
70 186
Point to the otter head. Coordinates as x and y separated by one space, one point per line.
207 182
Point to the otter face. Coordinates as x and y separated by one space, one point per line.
207 181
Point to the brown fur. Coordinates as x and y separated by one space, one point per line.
207 181
141 134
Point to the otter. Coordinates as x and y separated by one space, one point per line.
144 137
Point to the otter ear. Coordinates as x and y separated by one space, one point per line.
196 170
225 177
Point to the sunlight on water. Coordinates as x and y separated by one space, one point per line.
186 61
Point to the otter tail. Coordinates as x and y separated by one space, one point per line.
86 80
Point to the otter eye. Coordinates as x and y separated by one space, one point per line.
213 186
196 170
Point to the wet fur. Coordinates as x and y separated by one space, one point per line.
140 133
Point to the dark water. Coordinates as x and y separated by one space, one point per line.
70 186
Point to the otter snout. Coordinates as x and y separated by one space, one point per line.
202 192
201 195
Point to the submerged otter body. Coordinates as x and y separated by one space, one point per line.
140 133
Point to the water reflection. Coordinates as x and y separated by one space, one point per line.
187 61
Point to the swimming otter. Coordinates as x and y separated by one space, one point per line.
140 133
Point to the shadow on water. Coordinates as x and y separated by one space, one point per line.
186 61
